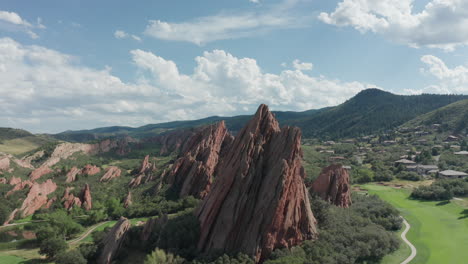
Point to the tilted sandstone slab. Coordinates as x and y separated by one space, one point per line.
20 185
113 241
11 217
39 172
37 197
258 201
90 170
111 173
333 185
192 173
86 199
4 163
128 200
71 175
145 174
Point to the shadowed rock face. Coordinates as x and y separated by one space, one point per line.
192 173
145 174
71 175
333 186
37 197
84 200
113 241
258 201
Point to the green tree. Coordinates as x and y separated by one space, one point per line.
51 247
159 256
70 257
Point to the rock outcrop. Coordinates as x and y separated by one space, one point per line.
71 175
39 172
90 170
258 201
113 241
333 185
37 197
151 224
192 173
11 217
145 174
18 185
86 199
4 163
3 181
111 173
128 200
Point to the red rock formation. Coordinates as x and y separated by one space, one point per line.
21 185
39 172
145 174
86 198
69 200
37 197
136 181
192 173
90 170
113 241
4 163
259 201
50 202
333 185
3 181
11 217
71 175
14 180
128 200
111 173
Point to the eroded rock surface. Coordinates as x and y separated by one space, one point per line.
111 173
11 217
90 170
258 201
18 185
37 197
86 199
113 241
333 185
39 172
128 200
71 175
145 174
192 173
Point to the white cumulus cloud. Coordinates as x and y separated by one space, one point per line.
11 21
120 34
441 24
44 90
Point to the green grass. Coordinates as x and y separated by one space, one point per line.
438 230
21 145
6 259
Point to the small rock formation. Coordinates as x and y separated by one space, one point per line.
113 241
90 170
128 200
111 173
14 180
4 163
71 175
11 217
39 172
259 201
37 197
19 185
3 181
333 185
86 198
192 173
145 174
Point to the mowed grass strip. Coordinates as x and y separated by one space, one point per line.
438 229
4 259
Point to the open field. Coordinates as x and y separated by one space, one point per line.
21 145
439 230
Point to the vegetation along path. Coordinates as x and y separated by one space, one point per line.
439 229
85 234
403 236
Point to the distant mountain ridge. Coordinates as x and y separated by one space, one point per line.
370 111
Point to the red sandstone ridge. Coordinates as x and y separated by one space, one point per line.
192 173
18 185
71 175
111 173
37 197
90 170
113 241
145 174
259 201
4 163
39 172
333 185
86 198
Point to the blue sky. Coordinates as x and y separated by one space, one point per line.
84 64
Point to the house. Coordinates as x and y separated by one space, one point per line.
423 169
451 174
349 141
389 142
464 152
404 162
334 159
329 143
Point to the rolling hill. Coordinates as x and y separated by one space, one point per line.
370 111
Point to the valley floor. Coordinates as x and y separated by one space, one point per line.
439 230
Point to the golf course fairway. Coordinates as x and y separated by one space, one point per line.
439 230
